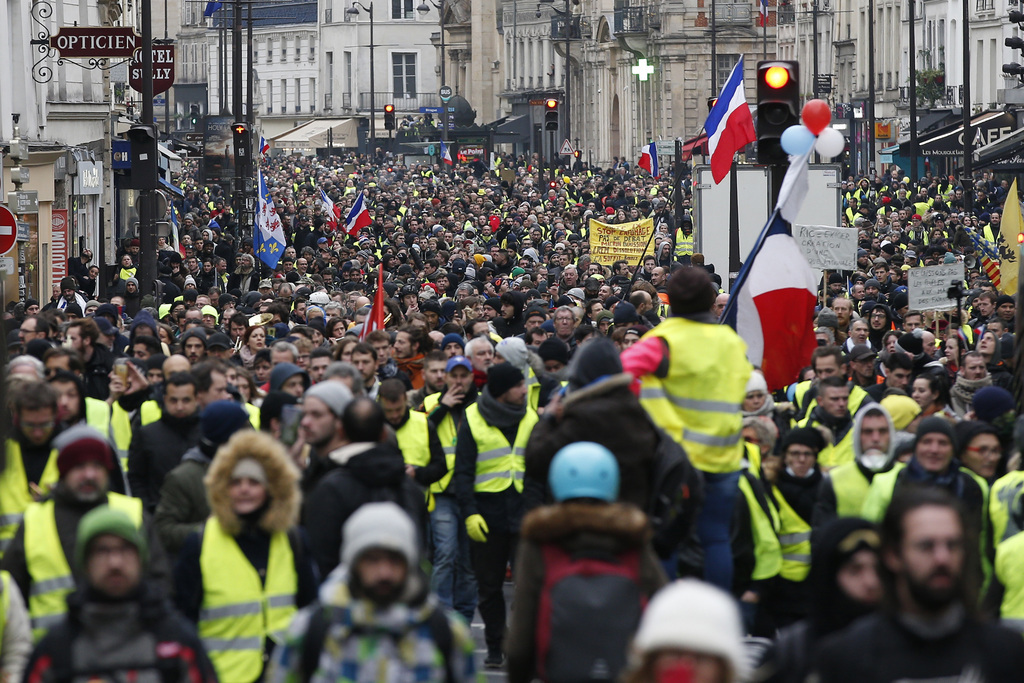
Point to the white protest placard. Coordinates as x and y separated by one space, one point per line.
827 248
928 286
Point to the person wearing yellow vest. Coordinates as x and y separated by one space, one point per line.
38 557
833 413
242 576
794 492
417 438
452 576
15 630
119 626
489 472
693 376
844 488
684 242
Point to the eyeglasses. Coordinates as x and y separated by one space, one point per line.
986 451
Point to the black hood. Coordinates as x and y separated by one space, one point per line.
382 465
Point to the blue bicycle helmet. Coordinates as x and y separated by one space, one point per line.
584 470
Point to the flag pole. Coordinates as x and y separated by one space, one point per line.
734 223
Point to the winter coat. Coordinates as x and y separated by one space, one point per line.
655 474
98 636
576 528
155 450
356 474
183 505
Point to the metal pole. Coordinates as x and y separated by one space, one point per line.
373 102
444 79
147 219
764 35
568 70
250 116
966 105
167 94
714 54
871 82
237 93
814 45
914 175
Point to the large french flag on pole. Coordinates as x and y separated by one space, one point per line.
649 159
446 155
729 127
771 306
358 217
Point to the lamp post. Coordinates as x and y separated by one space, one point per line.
423 8
567 28
354 11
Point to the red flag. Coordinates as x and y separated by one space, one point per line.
375 320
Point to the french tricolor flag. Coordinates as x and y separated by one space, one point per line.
358 217
771 305
264 146
649 159
729 127
762 10
446 156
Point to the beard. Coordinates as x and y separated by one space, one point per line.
931 597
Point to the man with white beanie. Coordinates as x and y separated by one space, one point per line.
376 618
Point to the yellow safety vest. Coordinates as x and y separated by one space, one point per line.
1009 559
684 244
97 416
15 495
698 402
448 435
533 390
125 273
254 415
795 539
51 575
764 526
499 464
149 412
5 600
240 611
121 430
1004 504
851 488
414 440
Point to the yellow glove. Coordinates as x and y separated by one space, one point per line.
477 529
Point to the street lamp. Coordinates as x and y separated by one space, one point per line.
354 11
423 8
567 20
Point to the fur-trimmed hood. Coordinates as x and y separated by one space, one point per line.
621 521
282 482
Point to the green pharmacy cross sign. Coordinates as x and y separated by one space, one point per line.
643 70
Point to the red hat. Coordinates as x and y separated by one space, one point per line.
916 216
610 210
886 200
134 243
89 447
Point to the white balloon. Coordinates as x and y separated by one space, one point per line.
830 143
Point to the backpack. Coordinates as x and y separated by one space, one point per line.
590 607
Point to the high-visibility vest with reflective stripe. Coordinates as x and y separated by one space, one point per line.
239 611
254 415
15 495
447 434
698 402
121 430
851 488
1004 506
5 601
684 244
795 539
97 416
48 568
764 524
533 390
499 464
1009 560
150 412
414 440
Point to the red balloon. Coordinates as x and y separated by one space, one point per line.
816 115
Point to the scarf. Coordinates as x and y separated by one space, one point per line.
498 414
949 480
767 409
963 392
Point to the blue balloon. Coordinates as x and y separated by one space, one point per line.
797 140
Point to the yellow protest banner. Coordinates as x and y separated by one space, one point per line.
610 243
1009 248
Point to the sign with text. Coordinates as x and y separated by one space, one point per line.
59 248
610 243
827 248
99 42
163 69
928 286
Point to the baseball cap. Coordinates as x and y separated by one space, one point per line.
862 352
457 361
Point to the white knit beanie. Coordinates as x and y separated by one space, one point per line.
379 525
757 382
692 615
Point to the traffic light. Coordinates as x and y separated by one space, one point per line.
243 143
551 114
193 115
778 107
577 154
142 139
1014 69
553 184
389 117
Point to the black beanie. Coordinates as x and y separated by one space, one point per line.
554 349
502 377
936 425
594 360
805 436
911 343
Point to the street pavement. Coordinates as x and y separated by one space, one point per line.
481 647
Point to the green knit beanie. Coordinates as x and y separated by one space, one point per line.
106 520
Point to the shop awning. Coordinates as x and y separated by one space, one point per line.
172 188
697 145
948 141
512 129
1006 147
343 132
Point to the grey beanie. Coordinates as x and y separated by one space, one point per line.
335 395
379 525
827 318
514 351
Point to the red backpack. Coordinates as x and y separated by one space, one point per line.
590 607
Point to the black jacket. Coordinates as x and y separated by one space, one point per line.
97 372
156 449
356 474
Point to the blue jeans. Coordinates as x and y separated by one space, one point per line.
713 525
452 580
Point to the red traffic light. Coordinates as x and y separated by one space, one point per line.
777 77
551 104
389 108
240 128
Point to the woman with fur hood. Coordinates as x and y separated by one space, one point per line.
242 576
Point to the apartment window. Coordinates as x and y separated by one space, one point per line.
270 52
329 72
270 97
312 49
298 51
348 73
402 9
723 67
403 66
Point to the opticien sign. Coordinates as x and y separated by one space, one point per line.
96 42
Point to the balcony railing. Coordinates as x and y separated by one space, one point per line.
558 28
328 101
786 14
631 20
410 103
